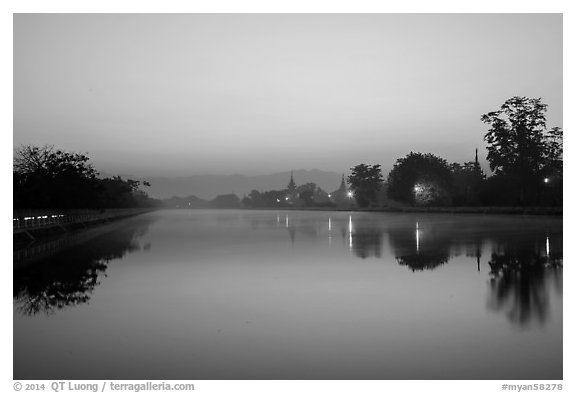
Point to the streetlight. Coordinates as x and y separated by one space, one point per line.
546 180
350 194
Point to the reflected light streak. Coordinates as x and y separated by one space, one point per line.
417 238
350 230
547 246
286 221
329 224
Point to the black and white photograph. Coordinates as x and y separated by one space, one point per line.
287 197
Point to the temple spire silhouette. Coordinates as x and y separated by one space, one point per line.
292 184
342 188
477 168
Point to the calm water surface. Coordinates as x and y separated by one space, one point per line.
233 294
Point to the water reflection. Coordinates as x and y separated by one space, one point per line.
366 240
524 259
475 251
419 243
69 277
423 246
520 281
231 298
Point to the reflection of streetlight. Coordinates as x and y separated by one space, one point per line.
350 231
417 238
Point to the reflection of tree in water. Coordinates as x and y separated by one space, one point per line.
69 277
519 279
367 242
474 250
423 261
423 247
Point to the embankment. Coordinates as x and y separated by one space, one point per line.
32 225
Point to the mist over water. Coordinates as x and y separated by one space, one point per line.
240 294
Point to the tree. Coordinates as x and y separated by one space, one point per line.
45 177
116 192
365 182
29 159
521 148
467 181
306 193
423 179
49 178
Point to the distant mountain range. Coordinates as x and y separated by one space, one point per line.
209 186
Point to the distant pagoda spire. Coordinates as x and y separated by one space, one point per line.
342 185
477 168
292 184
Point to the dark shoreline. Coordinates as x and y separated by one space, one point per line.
26 236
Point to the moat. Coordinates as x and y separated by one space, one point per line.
246 294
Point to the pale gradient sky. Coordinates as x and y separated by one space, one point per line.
178 94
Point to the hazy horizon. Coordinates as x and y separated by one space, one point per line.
209 186
190 94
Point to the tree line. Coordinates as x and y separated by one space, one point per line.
526 159
46 177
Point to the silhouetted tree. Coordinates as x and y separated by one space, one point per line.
227 201
467 182
252 199
29 159
273 198
365 182
521 148
49 178
306 193
420 179
115 192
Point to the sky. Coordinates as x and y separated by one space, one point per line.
186 94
